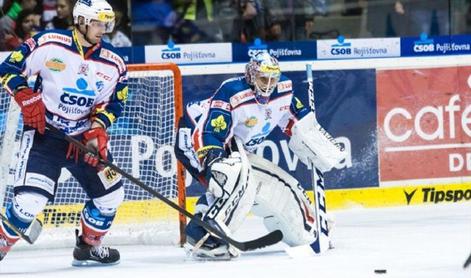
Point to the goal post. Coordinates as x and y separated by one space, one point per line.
142 141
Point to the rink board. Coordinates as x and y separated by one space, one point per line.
337 199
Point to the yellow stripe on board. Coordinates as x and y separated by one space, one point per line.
155 210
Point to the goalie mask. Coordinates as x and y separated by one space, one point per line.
97 12
263 73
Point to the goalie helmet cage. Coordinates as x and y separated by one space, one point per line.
142 143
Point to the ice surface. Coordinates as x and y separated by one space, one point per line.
417 241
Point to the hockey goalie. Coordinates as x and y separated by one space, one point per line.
216 140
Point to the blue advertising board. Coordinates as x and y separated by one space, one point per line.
283 51
344 99
432 46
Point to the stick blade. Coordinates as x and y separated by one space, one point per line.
267 240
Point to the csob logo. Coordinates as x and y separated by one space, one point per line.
172 52
257 47
78 96
425 44
341 48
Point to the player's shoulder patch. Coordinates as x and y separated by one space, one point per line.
241 97
235 91
55 36
284 85
109 54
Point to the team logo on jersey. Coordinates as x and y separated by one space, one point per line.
123 94
299 104
251 122
16 57
55 64
83 69
80 96
219 124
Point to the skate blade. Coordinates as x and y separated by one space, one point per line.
91 263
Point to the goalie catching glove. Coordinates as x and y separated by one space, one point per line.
224 175
32 108
311 142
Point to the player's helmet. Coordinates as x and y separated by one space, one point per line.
98 10
263 73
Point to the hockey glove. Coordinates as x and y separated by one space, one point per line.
95 139
32 107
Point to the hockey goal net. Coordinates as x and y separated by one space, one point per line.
142 144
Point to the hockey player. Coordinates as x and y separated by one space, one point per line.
216 140
80 88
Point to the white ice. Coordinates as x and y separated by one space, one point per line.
417 241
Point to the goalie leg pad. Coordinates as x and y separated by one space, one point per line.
225 175
311 142
282 203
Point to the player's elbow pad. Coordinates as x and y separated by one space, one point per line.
311 142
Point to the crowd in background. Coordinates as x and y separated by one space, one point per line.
144 22
21 19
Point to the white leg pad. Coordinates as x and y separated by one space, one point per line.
282 203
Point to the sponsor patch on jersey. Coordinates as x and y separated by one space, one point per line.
219 124
31 44
285 86
55 64
241 97
251 122
54 37
220 105
83 69
16 57
100 85
109 177
114 58
284 108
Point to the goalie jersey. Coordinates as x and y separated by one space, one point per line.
76 83
234 111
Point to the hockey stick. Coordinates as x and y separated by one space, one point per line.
261 242
31 234
468 262
322 242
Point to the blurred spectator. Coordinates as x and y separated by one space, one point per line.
195 22
292 20
7 21
385 18
117 38
64 18
427 16
26 26
250 22
152 21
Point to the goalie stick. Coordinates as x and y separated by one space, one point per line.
322 243
261 242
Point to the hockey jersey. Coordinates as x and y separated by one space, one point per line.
76 83
234 111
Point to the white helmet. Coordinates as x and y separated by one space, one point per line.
98 10
263 73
